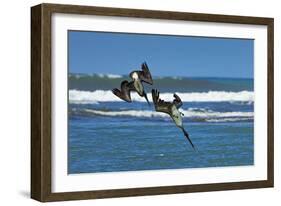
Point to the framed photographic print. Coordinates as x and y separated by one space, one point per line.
130 102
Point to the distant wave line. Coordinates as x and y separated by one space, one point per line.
109 76
190 113
235 119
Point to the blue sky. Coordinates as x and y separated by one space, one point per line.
119 53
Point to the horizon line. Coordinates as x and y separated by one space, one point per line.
227 77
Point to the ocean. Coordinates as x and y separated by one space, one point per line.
106 134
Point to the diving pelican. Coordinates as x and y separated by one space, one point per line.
136 85
171 108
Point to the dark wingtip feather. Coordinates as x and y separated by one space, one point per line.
114 91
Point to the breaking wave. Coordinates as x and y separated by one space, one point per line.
94 97
229 119
110 76
192 113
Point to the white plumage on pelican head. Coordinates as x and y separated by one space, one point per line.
135 75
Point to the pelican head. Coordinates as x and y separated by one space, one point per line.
134 75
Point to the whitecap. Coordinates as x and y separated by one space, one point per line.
78 96
208 115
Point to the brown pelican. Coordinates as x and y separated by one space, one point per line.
136 85
171 108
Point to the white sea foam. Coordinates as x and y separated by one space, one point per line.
82 97
129 113
229 119
110 76
209 115
77 76
88 97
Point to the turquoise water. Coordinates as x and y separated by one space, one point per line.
108 135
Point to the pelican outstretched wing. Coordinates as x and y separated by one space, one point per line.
125 92
145 74
177 101
159 104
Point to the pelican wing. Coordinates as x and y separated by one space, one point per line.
145 74
125 92
177 101
159 104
